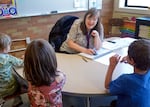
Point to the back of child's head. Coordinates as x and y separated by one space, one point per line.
40 64
5 41
139 50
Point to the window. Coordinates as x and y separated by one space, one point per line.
132 6
137 3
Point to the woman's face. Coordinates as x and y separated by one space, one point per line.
90 22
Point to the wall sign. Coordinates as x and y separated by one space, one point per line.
8 8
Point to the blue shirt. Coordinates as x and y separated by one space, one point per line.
133 90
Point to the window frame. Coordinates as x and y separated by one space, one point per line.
126 5
119 6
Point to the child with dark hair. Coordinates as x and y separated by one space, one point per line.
45 81
133 90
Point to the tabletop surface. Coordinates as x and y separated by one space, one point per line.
85 76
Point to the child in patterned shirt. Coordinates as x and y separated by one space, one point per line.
45 81
8 84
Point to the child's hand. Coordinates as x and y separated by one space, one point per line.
124 59
22 57
114 60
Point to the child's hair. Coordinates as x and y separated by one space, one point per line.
5 41
40 64
140 52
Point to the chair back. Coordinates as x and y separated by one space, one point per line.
59 31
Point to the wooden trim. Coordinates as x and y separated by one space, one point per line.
16 50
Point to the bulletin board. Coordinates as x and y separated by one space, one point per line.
25 8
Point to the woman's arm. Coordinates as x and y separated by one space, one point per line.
98 37
79 48
97 40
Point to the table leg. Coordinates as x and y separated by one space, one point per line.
88 101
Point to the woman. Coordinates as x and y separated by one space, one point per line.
85 35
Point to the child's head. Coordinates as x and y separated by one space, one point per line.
5 42
139 51
40 64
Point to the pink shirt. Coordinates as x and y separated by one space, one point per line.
47 96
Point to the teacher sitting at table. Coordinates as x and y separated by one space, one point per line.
85 35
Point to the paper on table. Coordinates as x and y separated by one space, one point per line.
105 59
117 43
100 53
109 46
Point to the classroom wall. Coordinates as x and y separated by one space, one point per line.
40 26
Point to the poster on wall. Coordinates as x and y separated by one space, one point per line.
8 8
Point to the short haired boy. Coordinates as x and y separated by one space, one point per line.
132 90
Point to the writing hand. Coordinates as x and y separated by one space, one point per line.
124 59
90 51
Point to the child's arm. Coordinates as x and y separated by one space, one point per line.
113 62
61 79
16 61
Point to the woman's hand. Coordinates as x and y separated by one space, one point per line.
97 41
94 33
90 51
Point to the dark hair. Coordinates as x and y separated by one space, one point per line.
40 64
5 41
92 12
140 52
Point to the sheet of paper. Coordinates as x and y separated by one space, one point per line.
105 59
100 53
117 43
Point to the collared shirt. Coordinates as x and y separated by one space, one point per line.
78 37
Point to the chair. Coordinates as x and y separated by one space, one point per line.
18 92
114 25
59 32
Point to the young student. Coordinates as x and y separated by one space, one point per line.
133 90
45 81
8 84
85 35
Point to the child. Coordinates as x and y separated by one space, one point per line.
133 90
45 81
8 84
